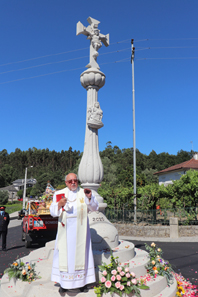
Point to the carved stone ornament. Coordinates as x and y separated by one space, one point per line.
94 116
96 39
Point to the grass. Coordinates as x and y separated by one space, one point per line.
10 208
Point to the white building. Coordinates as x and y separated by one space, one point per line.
167 175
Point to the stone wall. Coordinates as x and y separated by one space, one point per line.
153 231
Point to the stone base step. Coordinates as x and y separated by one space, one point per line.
44 256
42 288
137 264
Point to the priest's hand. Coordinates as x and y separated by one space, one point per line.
88 193
62 203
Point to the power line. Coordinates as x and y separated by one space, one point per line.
113 62
194 38
41 75
160 47
44 56
24 78
175 39
107 53
165 47
50 55
35 66
175 58
118 42
58 62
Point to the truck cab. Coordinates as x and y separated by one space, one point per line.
38 225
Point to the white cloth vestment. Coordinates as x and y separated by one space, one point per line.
73 278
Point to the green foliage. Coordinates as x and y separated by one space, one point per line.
110 169
10 208
4 195
117 185
55 164
20 193
34 191
7 175
116 197
150 195
157 265
60 187
184 192
149 176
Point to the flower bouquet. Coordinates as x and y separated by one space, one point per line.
118 279
157 265
23 271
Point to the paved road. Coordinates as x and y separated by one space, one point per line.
183 256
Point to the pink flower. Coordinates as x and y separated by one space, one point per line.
119 269
126 269
134 281
114 272
104 273
117 284
121 287
122 273
127 275
113 278
108 284
103 279
118 277
128 284
132 274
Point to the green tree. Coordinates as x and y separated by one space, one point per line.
184 192
20 193
6 175
4 195
150 195
149 176
110 169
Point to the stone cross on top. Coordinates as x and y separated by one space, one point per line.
95 37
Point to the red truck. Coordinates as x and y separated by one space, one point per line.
38 225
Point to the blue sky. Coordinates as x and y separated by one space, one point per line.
44 106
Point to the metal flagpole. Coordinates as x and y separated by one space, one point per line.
134 142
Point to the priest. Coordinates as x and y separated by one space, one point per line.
73 264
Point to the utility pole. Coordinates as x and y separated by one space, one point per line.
24 189
134 142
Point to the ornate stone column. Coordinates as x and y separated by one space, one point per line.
90 171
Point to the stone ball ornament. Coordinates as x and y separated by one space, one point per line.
92 77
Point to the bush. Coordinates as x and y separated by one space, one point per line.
4 195
20 193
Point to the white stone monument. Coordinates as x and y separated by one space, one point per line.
103 234
90 172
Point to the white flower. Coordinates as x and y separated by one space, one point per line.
24 272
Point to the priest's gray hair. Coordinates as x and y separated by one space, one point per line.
69 173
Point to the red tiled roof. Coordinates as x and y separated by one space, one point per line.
191 164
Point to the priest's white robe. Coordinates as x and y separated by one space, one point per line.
73 278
